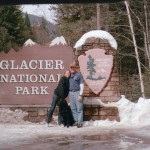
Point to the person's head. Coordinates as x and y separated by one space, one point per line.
72 67
67 73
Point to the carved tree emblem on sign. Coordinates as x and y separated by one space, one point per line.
91 69
96 68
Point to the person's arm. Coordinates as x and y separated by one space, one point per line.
81 88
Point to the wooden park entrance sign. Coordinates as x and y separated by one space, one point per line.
95 56
31 75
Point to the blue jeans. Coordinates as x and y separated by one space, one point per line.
53 105
76 106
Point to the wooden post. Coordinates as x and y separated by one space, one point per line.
98 16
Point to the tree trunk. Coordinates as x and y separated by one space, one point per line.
135 46
147 40
146 49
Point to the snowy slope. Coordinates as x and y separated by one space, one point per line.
39 10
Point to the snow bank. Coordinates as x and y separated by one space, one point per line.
8 116
131 114
97 34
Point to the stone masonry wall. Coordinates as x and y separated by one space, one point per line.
38 113
97 112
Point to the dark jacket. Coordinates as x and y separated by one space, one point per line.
62 90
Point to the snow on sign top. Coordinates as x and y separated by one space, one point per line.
97 34
29 42
57 41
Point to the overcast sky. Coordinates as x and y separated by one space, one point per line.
39 10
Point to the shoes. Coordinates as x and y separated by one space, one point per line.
75 124
50 125
79 125
62 126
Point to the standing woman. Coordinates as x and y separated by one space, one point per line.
61 92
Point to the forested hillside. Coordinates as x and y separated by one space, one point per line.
130 29
17 27
37 21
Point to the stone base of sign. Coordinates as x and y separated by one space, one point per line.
38 113
97 112
94 111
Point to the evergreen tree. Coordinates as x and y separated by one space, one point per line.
12 23
73 20
41 32
43 24
28 29
4 38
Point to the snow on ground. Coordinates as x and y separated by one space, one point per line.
40 136
12 117
131 114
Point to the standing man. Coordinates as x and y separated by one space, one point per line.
75 95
